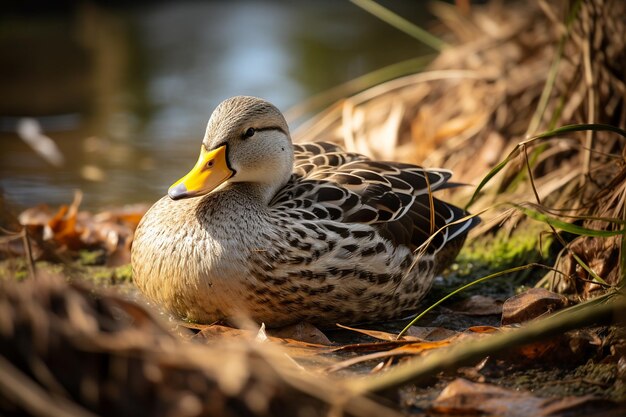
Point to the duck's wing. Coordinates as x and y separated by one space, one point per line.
321 156
395 198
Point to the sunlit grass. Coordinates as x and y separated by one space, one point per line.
401 24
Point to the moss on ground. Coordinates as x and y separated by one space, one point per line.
491 253
85 268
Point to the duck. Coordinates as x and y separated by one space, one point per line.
280 232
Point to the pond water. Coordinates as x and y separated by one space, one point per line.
125 93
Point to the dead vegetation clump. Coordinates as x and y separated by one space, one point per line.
519 69
66 352
60 235
602 254
479 99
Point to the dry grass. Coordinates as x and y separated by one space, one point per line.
66 352
517 70
477 100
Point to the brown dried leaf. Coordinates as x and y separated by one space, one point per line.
68 228
531 304
36 216
600 254
429 339
540 349
484 329
377 334
389 349
213 332
397 348
371 347
62 229
478 305
128 215
419 347
430 333
303 332
294 348
464 397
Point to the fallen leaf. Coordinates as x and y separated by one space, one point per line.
377 334
419 347
371 347
129 215
531 304
62 228
569 347
478 305
540 349
304 332
430 333
431 338
111 231
473 372
36 216
464 397
216 333
403 349
484 329
360 359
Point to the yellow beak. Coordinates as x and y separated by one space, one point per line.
210 171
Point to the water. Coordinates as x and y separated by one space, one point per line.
125 93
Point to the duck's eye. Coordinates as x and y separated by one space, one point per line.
249 133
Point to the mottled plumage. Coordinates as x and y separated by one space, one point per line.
297 232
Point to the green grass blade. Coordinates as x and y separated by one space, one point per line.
575 229
590 271
492 173
466 286
552 74
568 227
556 212
580 127
469 352
597 127
401 24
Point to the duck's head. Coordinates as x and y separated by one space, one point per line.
247 141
